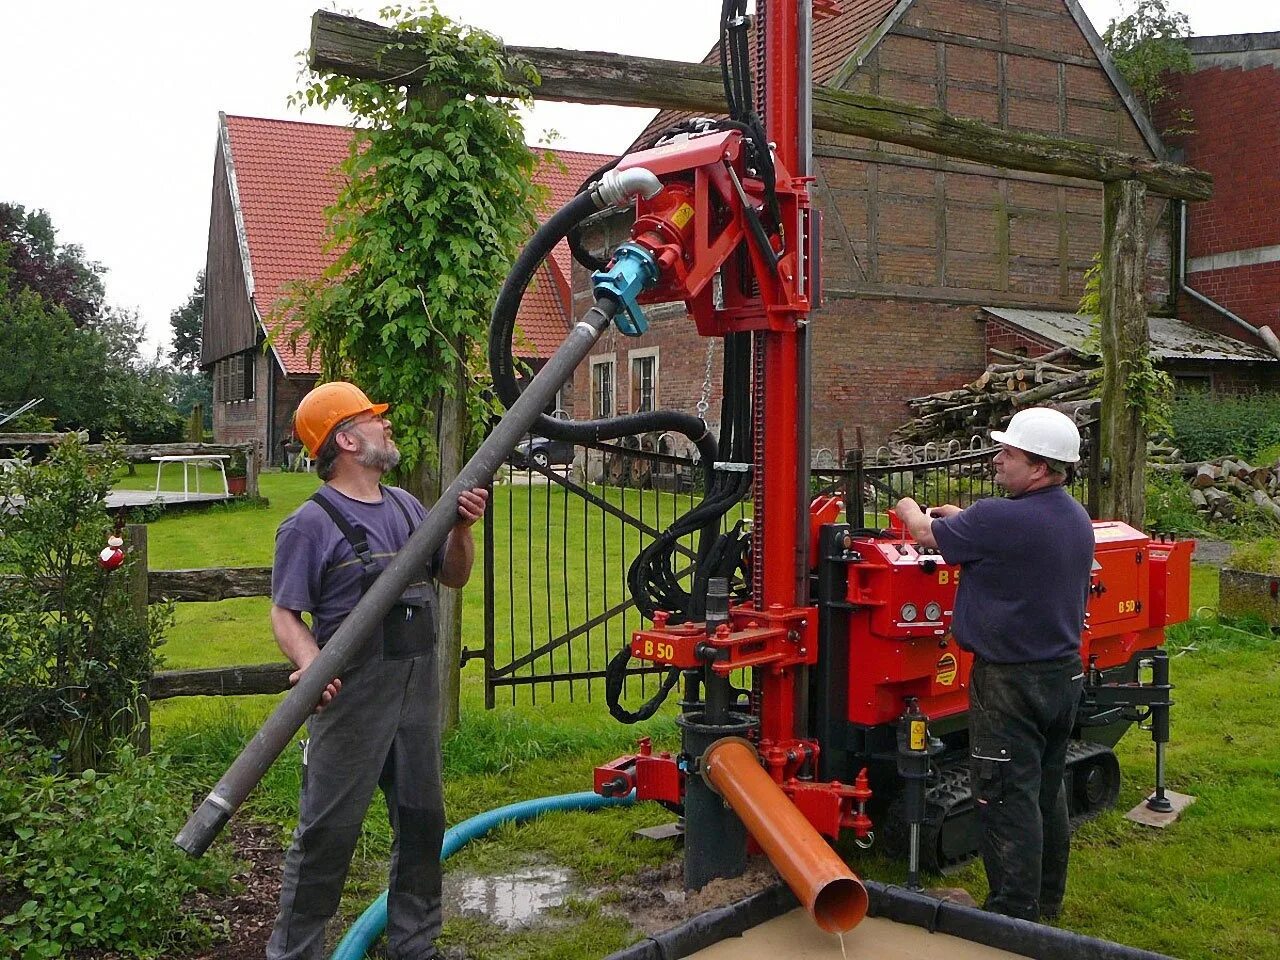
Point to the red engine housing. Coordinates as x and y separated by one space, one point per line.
903 598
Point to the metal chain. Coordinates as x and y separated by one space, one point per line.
704 404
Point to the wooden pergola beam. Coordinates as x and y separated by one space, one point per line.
367 51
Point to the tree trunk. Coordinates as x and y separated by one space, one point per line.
1125 343
448 424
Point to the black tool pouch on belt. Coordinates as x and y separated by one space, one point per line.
409 628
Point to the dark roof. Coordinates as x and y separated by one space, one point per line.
1171 339
282 174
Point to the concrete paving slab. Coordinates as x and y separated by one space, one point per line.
1151 818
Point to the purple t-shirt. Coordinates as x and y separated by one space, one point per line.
1026 562
317 572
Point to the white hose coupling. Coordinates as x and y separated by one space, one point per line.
619 188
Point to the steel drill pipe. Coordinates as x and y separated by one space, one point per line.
833 895
279 729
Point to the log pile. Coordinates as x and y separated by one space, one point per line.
1062 379
1219 487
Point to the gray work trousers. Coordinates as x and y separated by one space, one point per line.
1020 719
382 730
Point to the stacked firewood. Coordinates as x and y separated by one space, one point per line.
1062 379
1219 487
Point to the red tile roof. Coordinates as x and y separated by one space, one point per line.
835 40
285 177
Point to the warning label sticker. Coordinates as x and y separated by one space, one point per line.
945 669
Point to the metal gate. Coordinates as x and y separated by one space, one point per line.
559 538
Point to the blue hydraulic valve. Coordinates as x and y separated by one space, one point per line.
633 271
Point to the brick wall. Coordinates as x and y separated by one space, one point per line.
242 421
1002 336
911 224
1236 137
915 243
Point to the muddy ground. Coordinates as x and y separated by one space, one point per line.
653 901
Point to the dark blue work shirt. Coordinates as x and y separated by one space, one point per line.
1026 562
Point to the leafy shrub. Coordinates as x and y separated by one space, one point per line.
1169 506
1206 426
73 647
1257 556
87 860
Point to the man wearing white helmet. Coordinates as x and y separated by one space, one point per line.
1020 610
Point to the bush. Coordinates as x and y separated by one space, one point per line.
1257 556
1206 426
1169 506
87 860
73 647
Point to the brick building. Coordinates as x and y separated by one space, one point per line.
272 180
917 245
1233 240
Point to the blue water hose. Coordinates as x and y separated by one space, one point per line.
373 921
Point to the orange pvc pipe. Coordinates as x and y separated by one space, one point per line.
826 887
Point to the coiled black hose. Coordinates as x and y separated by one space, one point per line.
502 363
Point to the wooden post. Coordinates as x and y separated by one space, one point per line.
252 464
135 538
1125 342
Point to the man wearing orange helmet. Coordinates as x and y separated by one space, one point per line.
1027 560
378 724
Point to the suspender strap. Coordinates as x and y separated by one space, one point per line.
404 512
355 535
431 564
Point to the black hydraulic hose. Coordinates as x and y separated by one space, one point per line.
279 729
576 247
502 364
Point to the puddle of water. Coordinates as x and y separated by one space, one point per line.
508 899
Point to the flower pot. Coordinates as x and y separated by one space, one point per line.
236 486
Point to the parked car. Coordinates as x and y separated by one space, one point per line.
541 452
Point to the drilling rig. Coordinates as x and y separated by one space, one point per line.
851 714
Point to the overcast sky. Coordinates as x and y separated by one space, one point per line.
108 111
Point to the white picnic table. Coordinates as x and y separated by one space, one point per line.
187 459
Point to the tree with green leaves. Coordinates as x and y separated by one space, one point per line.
437 197
187 326
58 272
190 386
60 342
1147 46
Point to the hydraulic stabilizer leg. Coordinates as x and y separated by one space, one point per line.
913 767
279 729
1160 727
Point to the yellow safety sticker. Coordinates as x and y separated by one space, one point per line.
917 734
946 669
682 215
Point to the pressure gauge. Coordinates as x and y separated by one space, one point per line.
932 612
909 612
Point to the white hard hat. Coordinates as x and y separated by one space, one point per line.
1044 432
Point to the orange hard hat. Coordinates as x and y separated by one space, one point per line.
327 406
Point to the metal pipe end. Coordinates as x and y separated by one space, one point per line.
202 827
618 188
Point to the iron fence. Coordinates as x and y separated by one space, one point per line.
559 538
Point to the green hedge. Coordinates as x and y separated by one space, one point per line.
1206 426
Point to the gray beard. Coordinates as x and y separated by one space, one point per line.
381 460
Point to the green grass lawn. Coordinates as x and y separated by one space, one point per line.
1203 888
